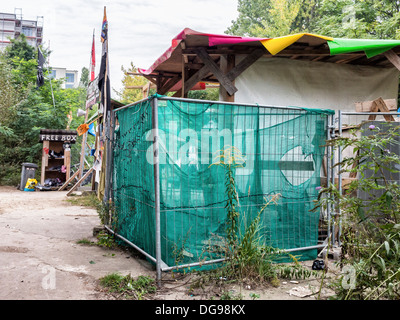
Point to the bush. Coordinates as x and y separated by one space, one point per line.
371 229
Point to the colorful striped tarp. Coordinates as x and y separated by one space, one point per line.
371 47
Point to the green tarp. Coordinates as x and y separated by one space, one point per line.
283 150
371 47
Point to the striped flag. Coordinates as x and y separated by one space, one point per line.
104 27
104 74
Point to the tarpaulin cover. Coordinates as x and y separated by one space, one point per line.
311 84
282 148
370 47
275 45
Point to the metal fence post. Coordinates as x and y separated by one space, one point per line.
109 135
156 166
333 207
328 176
340 158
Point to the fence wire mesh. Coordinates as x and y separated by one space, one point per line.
282 151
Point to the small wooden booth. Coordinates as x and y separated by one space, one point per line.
56 154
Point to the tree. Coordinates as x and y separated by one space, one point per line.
252 13
336 18
20 48
346 19
84 81
280 19
10 95
273 18
25 109
131 95
359 19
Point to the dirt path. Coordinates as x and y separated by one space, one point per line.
40 257
39 254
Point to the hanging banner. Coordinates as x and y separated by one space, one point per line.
82 129
93 93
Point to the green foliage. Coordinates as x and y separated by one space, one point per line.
371 229
20 49
273 18
26 109
132 95
127 286
86 200
84 81
354 19
106 240
343 18
207 94
10 95
247 256
280 19
252 13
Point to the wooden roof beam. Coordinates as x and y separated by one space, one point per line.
214 68
168 85
393 58
349 59
245 63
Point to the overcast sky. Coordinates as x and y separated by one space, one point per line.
139 30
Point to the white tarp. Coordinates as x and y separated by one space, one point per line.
285 82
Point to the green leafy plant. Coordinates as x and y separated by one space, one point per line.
128 287
371 229
106 240
247 256
254 296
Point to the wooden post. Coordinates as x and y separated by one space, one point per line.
184 70
67 163
227 64
45 160
83 148
215 69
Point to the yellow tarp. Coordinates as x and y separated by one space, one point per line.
276 45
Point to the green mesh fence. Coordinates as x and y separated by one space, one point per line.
282 150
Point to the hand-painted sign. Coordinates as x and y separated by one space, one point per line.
93 93
58 135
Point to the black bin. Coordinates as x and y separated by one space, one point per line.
28 172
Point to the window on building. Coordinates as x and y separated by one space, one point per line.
27 31
70 78
53 74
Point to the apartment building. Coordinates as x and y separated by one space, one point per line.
12 26
70 77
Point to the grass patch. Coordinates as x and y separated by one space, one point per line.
104 240
127 287
86 200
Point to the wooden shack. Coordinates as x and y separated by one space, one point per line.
56 154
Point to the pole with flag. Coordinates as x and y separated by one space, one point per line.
40 77
83 127
107 123
104 78
41 61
